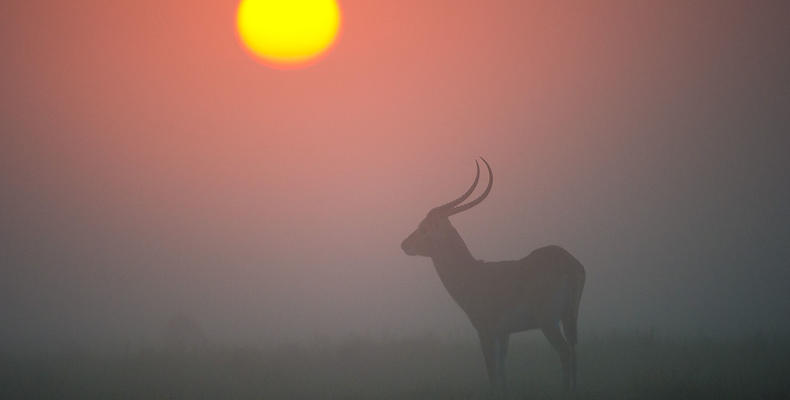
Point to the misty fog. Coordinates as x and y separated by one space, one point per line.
149 169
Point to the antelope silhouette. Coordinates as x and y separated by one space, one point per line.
540 291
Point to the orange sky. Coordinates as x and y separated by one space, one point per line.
140 128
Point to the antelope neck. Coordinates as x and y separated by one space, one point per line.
453 260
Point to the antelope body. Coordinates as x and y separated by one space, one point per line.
540 291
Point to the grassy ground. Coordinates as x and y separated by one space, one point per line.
614 366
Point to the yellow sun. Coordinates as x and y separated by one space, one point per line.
288 33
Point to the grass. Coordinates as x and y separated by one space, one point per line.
613 366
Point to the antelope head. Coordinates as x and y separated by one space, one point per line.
435 233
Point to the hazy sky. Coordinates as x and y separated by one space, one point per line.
149 166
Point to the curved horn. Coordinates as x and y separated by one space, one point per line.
463 196
482 196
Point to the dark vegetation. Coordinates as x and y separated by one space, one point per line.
612 366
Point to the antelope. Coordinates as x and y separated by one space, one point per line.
540 291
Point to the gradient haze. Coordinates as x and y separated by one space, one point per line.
149 166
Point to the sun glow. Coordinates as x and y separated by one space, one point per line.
288 33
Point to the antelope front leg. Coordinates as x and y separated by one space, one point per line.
494 351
